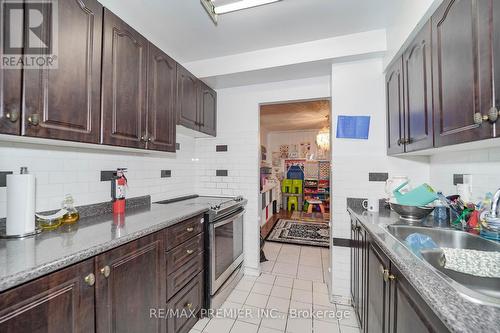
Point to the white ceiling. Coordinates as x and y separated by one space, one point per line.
184 30
295 116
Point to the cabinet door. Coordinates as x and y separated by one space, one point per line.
378 292
64 102
496 50
188 301
10 90
409 312
354 265
395 108
207 110
124 84
362 274
417 73
131 281
462 75
59 302
187 97
162 92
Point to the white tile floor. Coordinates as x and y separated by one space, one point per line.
293 279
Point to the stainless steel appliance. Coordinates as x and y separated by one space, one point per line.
224 247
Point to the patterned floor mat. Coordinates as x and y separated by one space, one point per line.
296 232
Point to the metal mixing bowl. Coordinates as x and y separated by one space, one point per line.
411 213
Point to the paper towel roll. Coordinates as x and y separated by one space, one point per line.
20 204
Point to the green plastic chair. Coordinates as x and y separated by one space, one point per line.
293 201
286 186
297 186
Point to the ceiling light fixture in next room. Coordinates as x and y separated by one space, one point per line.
213 8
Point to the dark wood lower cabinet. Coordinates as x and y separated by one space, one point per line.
359 257
383 298
59 302
130 282
125 289
377 291
188 301
408 312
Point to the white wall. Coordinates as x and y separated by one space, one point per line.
238 127
358 89
276 139
76 171
481 165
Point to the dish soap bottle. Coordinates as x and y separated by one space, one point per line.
72 215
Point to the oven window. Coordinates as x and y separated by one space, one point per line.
228 245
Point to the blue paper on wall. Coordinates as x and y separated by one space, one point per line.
353 127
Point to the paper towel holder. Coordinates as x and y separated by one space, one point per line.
3 232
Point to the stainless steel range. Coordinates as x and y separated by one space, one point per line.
224 247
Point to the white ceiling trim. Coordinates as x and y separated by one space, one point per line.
331 48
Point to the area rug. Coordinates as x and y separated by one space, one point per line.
311 217
296 232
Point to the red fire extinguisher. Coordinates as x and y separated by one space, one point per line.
118 191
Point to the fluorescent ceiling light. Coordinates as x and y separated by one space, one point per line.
242 4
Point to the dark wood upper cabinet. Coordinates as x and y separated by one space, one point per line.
462 70
395 108
10 101
124 84
131 280
59 302
10 92
207 109
496 51
162 91
408 311
417 73
64 102
187 99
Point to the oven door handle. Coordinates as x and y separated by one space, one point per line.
230 219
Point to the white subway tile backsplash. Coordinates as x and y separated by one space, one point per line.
76 171
480 165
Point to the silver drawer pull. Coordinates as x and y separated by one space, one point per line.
189 251
190 229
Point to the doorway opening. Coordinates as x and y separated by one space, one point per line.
295 171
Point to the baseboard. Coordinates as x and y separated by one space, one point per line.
251 271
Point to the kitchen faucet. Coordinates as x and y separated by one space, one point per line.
492 216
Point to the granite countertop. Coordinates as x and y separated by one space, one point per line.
456 311
22 260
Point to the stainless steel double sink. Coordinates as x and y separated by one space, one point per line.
484 290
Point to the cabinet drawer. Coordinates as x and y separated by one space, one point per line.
183 231
189 298
183 275
183 253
